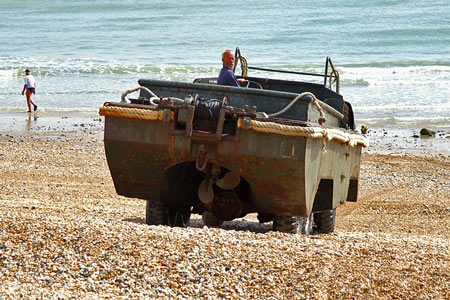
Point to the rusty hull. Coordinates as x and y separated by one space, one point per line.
284 173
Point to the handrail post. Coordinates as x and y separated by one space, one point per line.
326 72
336 76
235 58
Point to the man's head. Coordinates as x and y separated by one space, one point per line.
228 58
27 71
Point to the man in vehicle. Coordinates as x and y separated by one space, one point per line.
226 75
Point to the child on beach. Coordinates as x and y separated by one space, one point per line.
30 87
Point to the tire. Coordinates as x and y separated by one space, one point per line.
325 221
286 224
155 213
178 217
210 220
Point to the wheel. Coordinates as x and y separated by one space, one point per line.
325 221
250 82
287 224
178 216
210 220
155 213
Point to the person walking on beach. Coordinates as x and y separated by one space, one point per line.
30 88
226 75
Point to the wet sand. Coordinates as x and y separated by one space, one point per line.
65 233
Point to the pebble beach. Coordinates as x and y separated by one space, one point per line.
66 234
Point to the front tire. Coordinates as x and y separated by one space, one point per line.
286 224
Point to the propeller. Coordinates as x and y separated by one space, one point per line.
228 182
205 192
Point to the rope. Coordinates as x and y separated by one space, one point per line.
152 98
131 113
244 64
137 89
326 134
210 110
207 109
322 118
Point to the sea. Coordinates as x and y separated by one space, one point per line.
393 56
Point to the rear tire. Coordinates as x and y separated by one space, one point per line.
286 224
155 213
210 220
325 221
178 217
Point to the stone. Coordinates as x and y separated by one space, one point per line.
427 132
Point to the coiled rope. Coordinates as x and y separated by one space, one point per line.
244 64
326 134
207 109
131 113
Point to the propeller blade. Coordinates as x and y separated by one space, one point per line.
205 192
229 181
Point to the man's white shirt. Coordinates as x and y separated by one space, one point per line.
30 82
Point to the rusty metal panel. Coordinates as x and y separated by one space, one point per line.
283 172
273 165
277 179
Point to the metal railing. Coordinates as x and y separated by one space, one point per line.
333 76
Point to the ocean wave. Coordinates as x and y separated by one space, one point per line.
355 82
377 75
400 63
396 107
8 73
414 76
74 67
48 67
406 122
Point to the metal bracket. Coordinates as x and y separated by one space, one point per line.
246 123
166 115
